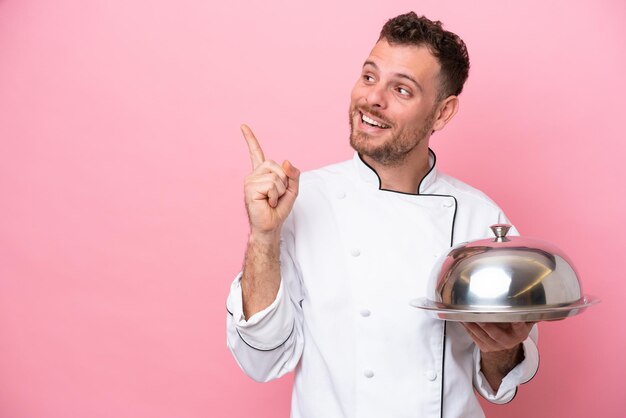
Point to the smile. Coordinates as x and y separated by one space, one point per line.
371 122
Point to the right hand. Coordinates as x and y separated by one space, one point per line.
270 190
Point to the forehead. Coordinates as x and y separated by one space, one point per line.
415 61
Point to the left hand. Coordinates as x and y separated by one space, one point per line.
490 337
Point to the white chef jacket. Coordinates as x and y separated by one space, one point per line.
352 257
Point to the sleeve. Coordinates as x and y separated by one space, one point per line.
520 374
269 343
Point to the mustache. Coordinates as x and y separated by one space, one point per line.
375 113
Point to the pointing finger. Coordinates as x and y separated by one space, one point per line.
256 153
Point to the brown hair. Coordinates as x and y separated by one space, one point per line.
447 47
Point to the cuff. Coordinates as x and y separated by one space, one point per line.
267 329
520 374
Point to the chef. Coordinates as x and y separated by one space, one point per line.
335 255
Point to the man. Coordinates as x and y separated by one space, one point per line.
328 276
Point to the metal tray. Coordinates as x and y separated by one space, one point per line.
512 314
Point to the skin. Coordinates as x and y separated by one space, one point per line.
270 191
500 347
397 88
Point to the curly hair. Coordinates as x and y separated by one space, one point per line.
447 47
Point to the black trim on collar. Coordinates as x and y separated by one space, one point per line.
428 172
374 171
430 151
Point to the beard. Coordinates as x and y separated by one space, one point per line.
393 151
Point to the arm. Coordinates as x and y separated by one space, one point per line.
500 347
495 365
270 192
263 331
260 280
506 357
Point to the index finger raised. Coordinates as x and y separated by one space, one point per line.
256 153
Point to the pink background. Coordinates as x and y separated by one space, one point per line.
121 168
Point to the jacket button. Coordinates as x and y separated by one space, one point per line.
447 204
355 252
430 375
365 313
368 373
341 195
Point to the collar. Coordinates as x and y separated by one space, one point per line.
369 175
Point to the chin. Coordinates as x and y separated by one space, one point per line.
363 145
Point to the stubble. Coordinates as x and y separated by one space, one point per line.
394 151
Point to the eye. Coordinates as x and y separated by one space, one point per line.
403 91
368 78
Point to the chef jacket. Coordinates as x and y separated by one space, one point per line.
353 256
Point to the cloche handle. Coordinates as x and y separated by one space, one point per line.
500 231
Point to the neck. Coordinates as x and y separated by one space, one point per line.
406 176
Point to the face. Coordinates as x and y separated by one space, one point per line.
393 107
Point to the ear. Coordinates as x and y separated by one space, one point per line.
445 111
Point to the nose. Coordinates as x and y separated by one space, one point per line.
376 96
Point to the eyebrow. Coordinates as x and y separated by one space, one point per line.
401 75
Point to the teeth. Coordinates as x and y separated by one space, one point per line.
371 121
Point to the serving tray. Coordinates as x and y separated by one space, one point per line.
512 314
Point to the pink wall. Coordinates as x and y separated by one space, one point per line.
121 167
